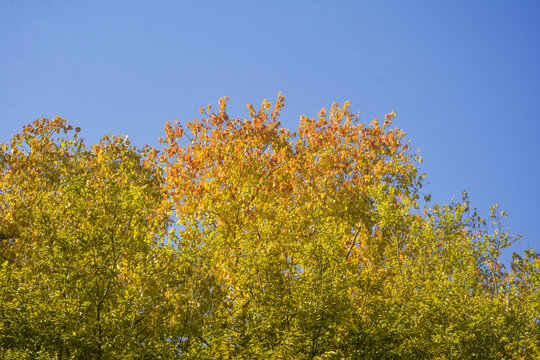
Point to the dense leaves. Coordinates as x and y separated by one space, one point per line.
82 271
242 239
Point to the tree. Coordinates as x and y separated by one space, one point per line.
84 269
312 244
320 250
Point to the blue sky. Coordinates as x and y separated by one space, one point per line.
462 76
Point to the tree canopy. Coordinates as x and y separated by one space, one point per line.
241 239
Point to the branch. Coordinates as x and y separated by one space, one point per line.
352 244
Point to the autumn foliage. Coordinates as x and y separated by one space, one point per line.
240 239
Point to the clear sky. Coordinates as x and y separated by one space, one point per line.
462 76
